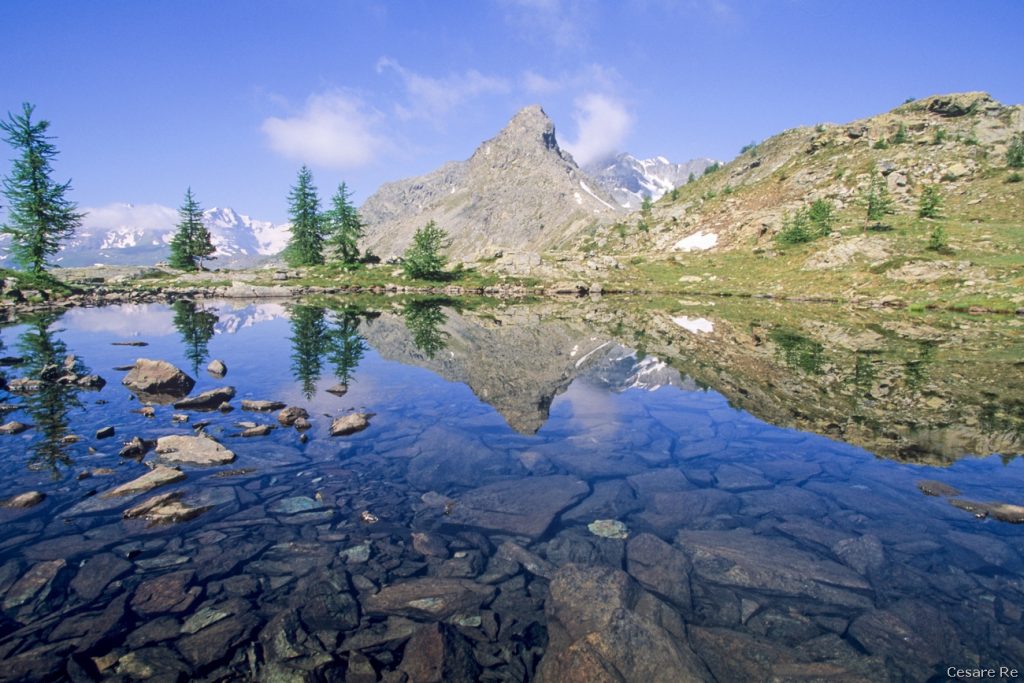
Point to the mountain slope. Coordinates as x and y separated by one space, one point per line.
518 191
628 179
721 233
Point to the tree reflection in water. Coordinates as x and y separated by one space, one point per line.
47 361
424 319
196 327
316 339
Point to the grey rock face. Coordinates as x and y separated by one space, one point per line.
518 191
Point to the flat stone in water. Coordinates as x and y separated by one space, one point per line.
261 406
158 476
14 427
23 500
526 507
608 528
295 504
192 450
207 400
350 424
357 554
32 583
429 597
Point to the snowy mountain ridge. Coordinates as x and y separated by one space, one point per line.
628 179
140 234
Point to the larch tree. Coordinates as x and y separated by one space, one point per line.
306 246
342 226
39 215
192 242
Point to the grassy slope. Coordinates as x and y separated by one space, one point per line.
746 201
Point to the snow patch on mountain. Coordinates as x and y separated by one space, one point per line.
628 179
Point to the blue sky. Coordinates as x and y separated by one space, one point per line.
231 97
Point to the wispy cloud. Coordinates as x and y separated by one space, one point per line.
335 129
119 215
432 98
560 23
602 123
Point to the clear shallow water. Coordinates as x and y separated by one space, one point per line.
498 435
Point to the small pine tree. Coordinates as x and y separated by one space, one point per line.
937 239
1015 152
192 242
901 135
39 216
645 207
305 248
821 216
342 226
796 228
423 258
674 194
930 204
877 200
690 178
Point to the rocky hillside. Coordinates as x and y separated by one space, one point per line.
721 232
628 179
518 191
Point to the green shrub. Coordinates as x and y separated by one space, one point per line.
821 215
1015 152
749 147
940 136
712 168
881 144
901 135
930 204
877 200
937 239
796 228
1014 177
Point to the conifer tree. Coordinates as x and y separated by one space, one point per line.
305 248
342 226
877 200
192 243
39 216
423 259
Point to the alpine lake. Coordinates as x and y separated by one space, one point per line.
593 489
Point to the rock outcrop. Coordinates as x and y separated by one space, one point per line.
518 191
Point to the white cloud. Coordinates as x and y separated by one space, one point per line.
432 98
334 130
602 125
536 84
562 23
154 217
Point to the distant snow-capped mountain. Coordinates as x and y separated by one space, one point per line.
140 234
629 179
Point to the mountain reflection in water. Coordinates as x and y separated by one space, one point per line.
544 490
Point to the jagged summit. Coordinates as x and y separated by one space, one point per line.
518 191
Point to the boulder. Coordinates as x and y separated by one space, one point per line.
165 508
217 368
289 415
158 381
350 424
438 654
661 569
192 450
207 400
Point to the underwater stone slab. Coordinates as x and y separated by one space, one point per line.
742 559
97 573
207 400
526 507
158 476
430 597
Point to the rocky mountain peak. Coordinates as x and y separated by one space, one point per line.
529 132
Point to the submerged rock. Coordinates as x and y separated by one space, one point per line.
158 476
23 500
1004 512
33 584
136 448
207 400
608 528
261 406
258 430
158 380
439 654
930 487
526 507
192 450
350 424
429 598
166 508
